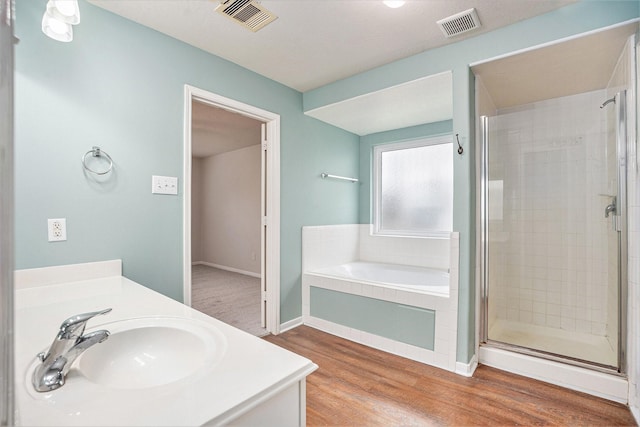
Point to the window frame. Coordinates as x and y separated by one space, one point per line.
377 185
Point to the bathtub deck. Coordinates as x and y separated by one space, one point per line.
358 385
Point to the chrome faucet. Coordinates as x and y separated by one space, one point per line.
66 347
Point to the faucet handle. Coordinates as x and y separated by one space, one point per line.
69 327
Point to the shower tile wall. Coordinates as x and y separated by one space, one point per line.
548 188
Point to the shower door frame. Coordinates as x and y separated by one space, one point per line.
623 285
621 161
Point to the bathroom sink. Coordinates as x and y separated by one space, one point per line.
142 353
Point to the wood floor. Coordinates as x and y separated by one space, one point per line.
359 386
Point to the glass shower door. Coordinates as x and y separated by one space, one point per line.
617 230
552 208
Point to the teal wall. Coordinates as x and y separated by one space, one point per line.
120 85
400 322
570 20
366 157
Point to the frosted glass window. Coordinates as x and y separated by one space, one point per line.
414 187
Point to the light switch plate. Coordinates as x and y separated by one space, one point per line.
164 184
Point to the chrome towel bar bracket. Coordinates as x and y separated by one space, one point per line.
97 152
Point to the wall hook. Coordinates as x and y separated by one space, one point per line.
460 149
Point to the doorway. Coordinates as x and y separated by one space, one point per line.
232 239
226 188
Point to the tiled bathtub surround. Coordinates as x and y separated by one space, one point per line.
324 246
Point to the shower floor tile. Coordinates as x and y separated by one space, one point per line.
573 344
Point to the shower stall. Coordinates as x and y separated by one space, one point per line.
553 229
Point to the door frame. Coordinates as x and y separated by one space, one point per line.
270 252
7 184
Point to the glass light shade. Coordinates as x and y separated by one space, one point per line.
64 10
393 3
56 29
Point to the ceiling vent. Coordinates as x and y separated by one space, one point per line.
247 13
459 23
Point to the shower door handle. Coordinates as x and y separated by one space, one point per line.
616 223
615 219
612 208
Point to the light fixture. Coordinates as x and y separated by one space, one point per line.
58 19
56 29
64 10
393 4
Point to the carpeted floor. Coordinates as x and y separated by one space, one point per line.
231 297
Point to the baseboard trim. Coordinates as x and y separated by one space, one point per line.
635 411
293 323
231 269
467 369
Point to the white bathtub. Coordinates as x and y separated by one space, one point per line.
404 277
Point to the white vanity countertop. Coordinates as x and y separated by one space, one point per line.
248 372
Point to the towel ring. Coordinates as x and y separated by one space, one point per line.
97 152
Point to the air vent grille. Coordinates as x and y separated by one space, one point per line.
247 13
459 23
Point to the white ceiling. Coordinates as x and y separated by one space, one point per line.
570 67
316 42
215 130
425 100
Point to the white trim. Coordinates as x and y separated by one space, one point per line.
467 369
378 150
186 195
231 269
636 413
264 146
291 324
272 252
596 383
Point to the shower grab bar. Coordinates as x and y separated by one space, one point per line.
97 152
346 178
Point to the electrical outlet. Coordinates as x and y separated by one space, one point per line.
164 184
57 229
